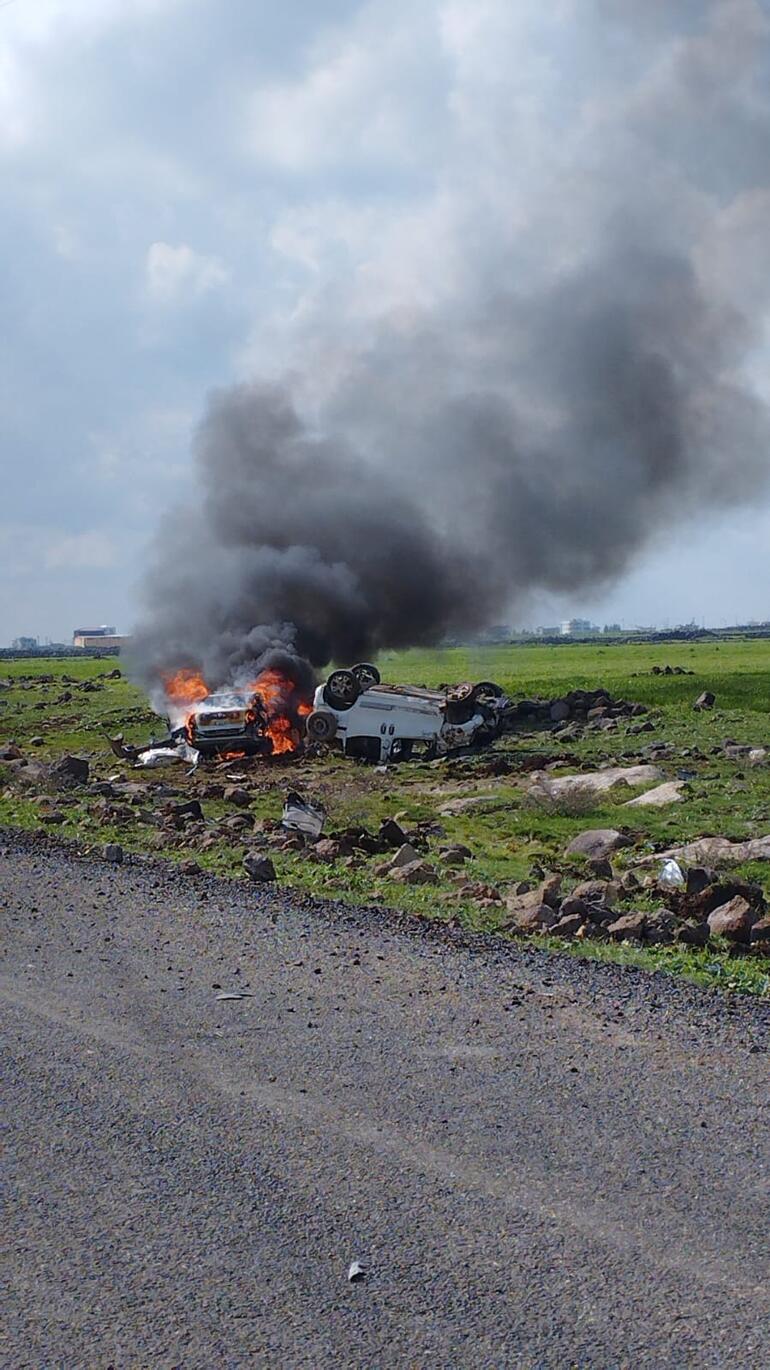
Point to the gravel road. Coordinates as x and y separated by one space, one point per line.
539 1162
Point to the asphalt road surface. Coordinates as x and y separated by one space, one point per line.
538 1162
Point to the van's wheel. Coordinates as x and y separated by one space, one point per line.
460 694
320 726
402 749
341 690
486 690
366 674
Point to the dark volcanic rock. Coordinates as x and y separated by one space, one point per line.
760 932
631 926
391 833
190 808
259 868
597 843
70 770
693 934
733 920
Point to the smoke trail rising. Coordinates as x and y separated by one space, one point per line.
583 384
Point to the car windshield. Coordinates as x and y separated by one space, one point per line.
225 700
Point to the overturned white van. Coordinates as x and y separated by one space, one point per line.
389 722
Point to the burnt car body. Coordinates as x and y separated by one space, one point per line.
227 721
389 722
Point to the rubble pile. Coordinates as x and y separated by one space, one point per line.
670 670
707 906
577 712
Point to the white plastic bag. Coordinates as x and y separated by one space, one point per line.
670 874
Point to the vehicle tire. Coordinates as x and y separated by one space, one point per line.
460 694
320 726
459 706
486 689
341 690
366 674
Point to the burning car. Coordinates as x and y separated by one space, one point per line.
228 721
387 722
262 716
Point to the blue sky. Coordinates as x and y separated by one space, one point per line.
197 192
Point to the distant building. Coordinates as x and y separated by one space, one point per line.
98 637
544 631
577 627
25 644
104 631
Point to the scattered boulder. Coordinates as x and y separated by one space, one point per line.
760 932
603 892
714 851
189 808
236 822
600 869
758 756
521 902
235 795
559 711
733 920
259 868
698 879
573 907
293 841
660 927
417 872
721 892
113 852
629 882
391 833
405 856
705 701
10 752
631 927
327 849
692 934
476 889
597 843
455 855
70 770
29 773
532 919
597 782
670 792
568 925
548 891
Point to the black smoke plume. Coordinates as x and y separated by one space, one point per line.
517 440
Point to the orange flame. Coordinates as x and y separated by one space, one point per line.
275 708
276 693
185 687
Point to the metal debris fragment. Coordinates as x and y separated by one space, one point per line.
300 816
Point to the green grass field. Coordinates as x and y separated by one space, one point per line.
508 837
